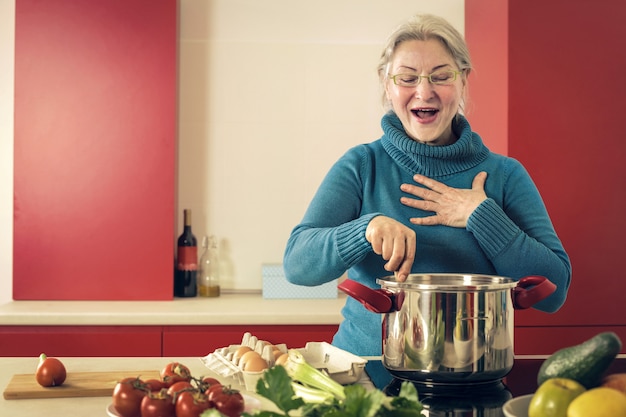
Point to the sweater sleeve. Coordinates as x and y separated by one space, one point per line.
331 237
519 238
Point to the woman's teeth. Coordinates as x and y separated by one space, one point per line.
424 112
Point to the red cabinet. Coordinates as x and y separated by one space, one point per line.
80 341
95 149
201 340
574 156
545 340
147 340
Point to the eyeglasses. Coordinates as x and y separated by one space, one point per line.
445 77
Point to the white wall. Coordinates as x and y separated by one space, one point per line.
7 37
272 92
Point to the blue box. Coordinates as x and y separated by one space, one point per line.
275 285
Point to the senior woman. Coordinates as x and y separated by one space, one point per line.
426 197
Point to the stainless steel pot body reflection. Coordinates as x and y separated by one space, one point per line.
449 328
452 333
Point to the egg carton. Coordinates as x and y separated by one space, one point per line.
223 362
342 366
218 362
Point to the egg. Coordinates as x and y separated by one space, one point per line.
246 357
240 352
282 359
256 365
276 353
252 362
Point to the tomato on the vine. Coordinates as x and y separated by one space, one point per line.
174 372
127 397
207 382
154 384
157 404
210 381
192 404
213 390
178 387
228 401
175 394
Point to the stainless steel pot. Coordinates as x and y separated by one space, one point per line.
449 328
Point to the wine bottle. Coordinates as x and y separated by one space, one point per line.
185 278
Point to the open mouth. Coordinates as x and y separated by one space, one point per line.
425 113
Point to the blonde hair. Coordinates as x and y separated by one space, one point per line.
424 27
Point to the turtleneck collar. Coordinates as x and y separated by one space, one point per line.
433 161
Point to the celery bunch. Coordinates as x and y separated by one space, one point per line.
300 386
311 379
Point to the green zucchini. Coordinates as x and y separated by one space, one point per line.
585 363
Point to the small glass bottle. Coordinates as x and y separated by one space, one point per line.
209 274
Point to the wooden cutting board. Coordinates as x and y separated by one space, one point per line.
77 384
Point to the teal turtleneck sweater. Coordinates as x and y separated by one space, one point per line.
510 234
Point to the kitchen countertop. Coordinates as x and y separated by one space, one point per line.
520 381
228 309
81 406
97 406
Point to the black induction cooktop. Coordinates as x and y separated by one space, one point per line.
471 399
450 400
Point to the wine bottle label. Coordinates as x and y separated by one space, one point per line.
187 258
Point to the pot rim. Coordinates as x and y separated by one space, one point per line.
449 282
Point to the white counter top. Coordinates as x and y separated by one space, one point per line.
228 309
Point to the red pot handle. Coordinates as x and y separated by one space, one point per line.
378 301
530 290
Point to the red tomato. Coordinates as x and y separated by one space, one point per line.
157 404
178 387
208 381
213 390
50 372
192 404
154 384
228 401
127 396
174 372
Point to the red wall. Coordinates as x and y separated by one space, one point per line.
486 28
95 138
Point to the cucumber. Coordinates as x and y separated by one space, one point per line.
585 363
